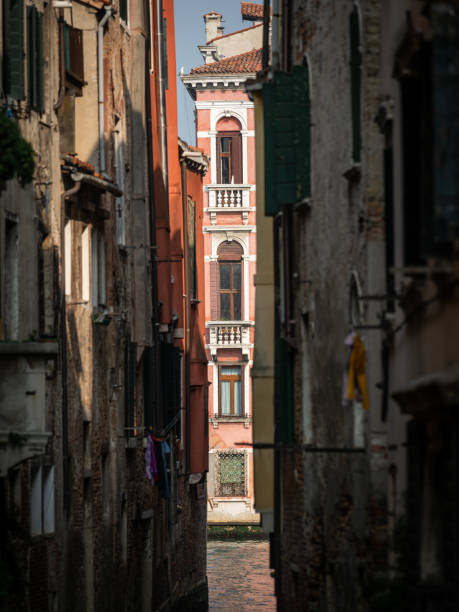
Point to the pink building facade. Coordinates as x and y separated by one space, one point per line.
225 131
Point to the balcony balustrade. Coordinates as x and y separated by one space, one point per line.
228 197
229 333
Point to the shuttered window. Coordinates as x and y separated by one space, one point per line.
123 8
356 81
35 58
73 57
287 139
229 281
229 158
13 48
170 386
192 247
445 94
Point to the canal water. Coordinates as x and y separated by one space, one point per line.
239 576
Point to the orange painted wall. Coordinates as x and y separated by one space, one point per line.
170 239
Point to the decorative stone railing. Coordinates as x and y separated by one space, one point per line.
229 333
228 197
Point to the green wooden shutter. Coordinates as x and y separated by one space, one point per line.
39 68
35 58
445 90
13 47
287 139
356 83
123 8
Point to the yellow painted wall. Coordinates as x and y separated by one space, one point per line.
263 365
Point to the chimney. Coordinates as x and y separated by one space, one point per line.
213 25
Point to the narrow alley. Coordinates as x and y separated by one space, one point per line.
239 576
229 305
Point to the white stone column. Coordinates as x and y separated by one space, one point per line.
245 273
215 390
245 164
213 156
246 389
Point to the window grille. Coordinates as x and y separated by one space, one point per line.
231 474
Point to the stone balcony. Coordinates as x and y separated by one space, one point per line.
228 198
229 334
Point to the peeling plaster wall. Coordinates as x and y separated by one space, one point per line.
326 497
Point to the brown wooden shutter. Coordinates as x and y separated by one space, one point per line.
214 291
237 158
230 251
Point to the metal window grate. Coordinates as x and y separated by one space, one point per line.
231 474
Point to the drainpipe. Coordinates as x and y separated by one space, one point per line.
152 211
186 265
100 83
162 93
63 342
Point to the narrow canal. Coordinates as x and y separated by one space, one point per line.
239 576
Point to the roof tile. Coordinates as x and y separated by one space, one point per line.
242 63
251 10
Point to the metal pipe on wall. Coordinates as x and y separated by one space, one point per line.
149 56
100 85
162 102
186 265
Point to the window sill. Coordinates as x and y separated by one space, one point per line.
28 348
217 420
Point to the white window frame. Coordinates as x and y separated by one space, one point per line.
68 257
86 264
98 268
42 500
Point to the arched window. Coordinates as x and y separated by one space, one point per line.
229 281
229 151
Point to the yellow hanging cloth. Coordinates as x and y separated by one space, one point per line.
356 373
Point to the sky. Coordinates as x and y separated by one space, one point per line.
190 32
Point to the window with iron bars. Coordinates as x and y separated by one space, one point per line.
231 474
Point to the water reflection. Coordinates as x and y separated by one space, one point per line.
239 576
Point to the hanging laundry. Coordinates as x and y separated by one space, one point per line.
356 377
151 466
148 453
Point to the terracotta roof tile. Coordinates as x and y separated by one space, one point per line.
251 11
242 63
84 166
